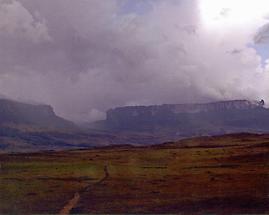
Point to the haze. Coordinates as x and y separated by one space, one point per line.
84 57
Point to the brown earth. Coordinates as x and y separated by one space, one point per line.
228 174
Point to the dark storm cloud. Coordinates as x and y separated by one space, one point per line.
84 57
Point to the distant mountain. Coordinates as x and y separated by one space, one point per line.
174 121
27 127
18 113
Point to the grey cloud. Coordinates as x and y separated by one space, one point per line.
262 36
16 21
235 51
225 12
97 57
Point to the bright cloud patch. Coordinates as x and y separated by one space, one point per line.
15 20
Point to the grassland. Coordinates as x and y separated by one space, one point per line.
228 174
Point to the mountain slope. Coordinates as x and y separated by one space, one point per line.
13 112
26 127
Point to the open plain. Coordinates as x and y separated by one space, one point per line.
223 174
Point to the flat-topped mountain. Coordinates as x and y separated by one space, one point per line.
184 120
27 127
18 113
154 110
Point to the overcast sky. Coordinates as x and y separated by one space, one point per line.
86 56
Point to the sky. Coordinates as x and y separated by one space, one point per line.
263 51
84 57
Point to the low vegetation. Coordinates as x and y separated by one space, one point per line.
228 174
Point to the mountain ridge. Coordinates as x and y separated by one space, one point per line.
15 112
237 104
187 120
28 127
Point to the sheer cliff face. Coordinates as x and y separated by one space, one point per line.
173 109
37 115
190 117
218 106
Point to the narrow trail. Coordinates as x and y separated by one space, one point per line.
70 204
74 201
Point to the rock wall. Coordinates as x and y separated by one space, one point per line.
179 116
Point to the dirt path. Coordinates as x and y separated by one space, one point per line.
71 204
74 201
